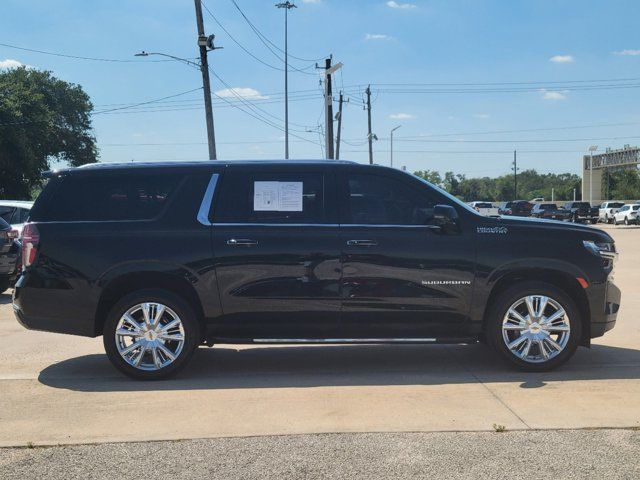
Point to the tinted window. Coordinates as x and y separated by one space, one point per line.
483 205
111 197
377 200
243 198
6 213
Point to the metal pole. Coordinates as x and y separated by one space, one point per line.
328 109
515 175
393 130
206 85
591 179
370 135
339 126
286 5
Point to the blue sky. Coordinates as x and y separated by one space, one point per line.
446 42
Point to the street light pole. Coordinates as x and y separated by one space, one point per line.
287 6
393 130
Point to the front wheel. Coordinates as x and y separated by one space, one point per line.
151 334
535 326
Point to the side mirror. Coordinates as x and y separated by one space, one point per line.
445 215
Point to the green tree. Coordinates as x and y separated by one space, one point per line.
41 118
622 184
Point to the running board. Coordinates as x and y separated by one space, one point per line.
319 341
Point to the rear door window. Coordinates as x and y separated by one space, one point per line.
271 197
111 197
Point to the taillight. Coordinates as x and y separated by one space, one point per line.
509 212
30 240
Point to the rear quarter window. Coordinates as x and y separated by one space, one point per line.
107 197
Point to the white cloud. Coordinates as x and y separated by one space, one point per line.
402 116
628 52
9 63
482 115
376 36
553 95
246 93
402 6
562 59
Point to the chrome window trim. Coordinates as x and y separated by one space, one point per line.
206 204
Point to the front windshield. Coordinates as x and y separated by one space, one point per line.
454 199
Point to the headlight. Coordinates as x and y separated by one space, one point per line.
601 249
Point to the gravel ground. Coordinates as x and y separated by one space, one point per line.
563 454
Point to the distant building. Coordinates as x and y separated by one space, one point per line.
621 159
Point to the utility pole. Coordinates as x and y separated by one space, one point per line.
328 105
287 6
328 108
369 134
203 41
340 101
515 176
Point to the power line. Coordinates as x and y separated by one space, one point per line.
273 44
266 42
404 139
246 50
148 101
79 57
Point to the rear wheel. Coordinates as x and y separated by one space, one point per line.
151 334
535 326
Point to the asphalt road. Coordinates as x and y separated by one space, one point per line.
568 454
57 389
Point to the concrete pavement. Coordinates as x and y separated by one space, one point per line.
62 389
565 454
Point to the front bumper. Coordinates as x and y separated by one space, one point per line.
604 304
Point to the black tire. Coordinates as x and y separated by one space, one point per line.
615 221
190 324
506 299
626 221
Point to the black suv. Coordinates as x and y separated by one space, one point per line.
161 258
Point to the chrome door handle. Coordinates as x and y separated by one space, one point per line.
361 243
242 242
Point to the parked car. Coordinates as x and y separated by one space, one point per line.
161 258
15 212
485 208
537 199
628 214
582 212
608 210
518 208
550 211
9 248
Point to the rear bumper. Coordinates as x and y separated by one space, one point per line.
604 309
33 309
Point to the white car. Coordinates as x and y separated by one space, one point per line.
485 208
608 210
627 214
15 212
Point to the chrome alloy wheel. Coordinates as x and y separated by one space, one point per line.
536 328
149 336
